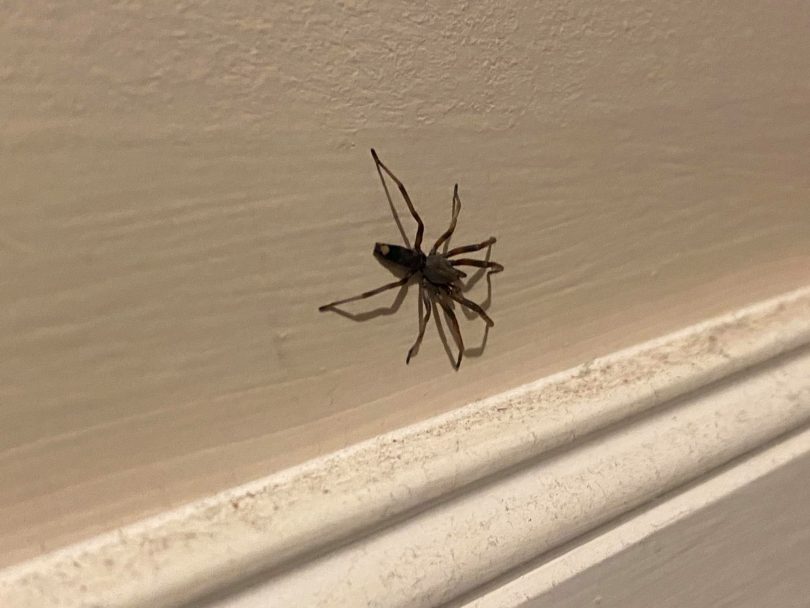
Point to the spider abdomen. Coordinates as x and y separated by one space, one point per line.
400 256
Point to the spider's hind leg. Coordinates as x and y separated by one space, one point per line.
367 294
472 306
420 227
424 317
454 329
493 266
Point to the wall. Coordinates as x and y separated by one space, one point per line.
184 183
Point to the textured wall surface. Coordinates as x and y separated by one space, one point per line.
183 183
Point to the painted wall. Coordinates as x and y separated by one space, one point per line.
182 184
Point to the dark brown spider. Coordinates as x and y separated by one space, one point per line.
439 277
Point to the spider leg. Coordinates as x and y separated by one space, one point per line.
368 294
453 219
495 267
391 206
471 248
454 329
472 306
420 227
424 302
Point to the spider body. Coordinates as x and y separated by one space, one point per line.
434 268
437 273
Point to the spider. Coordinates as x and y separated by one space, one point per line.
438 273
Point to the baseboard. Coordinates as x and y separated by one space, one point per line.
739 536
432 513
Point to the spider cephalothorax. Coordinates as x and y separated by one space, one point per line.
437 272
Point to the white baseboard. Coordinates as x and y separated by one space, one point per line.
740 537
434 512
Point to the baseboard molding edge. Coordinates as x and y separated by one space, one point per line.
422 515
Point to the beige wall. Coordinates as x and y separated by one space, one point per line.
181 185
